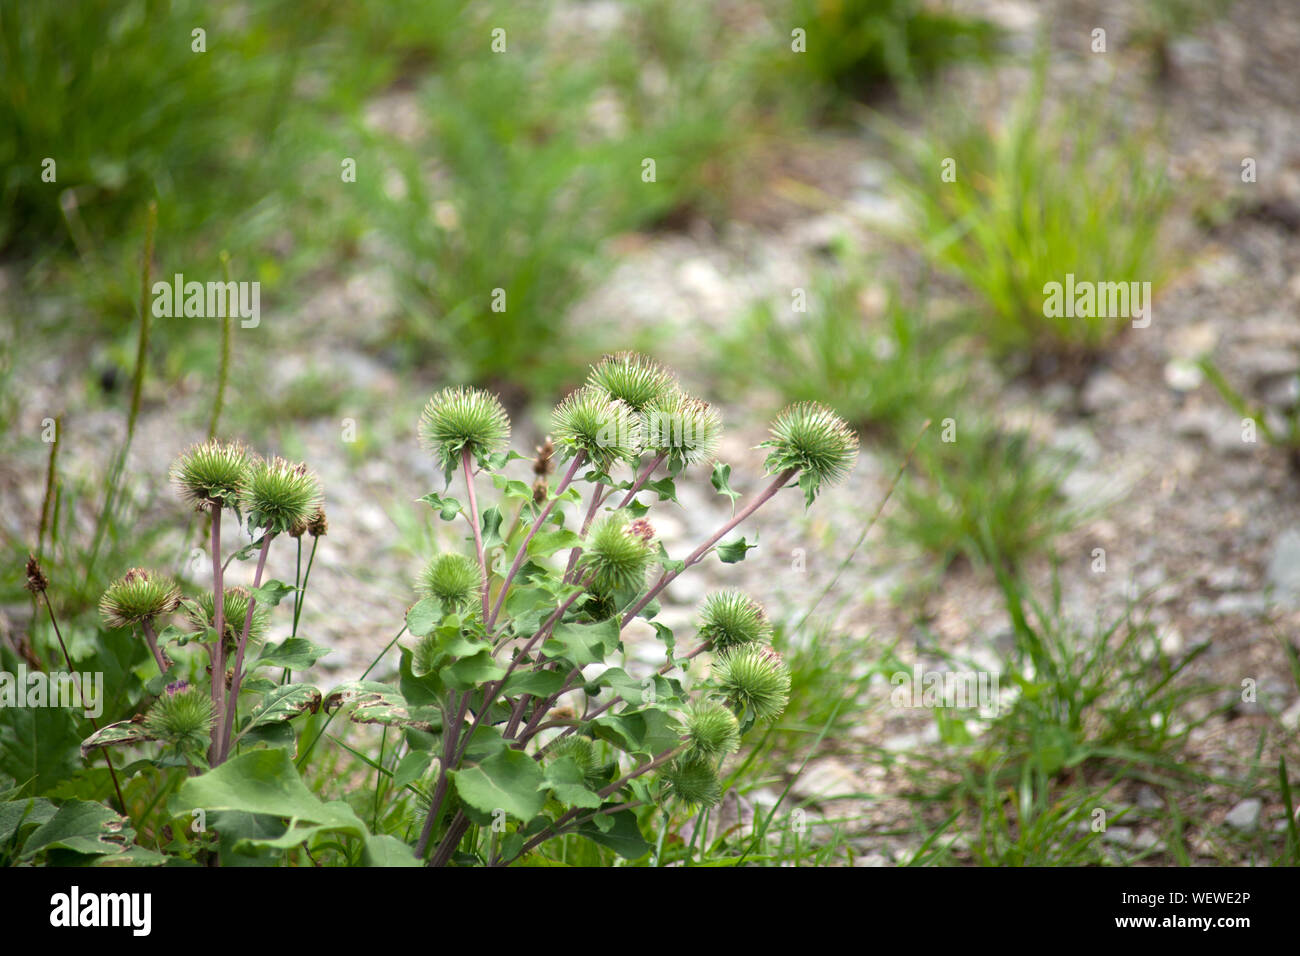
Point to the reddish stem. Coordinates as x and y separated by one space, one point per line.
523 548
232 705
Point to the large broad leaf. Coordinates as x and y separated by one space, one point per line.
469 672
584 644
266 782
565 779
508 781
649 731
19 815
296 653
271 593
385 850
123 732
546 543
619 832
283 703
537 683
424 616
82 827
636 692
39 745
374 703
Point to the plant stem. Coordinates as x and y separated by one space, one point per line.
645 475
459 824
219 648
523 548
223 372
597 497
302 593
233 702
667 577
478 534
152 640
450 749
76 679
51 472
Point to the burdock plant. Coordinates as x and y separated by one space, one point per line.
522 719
138 598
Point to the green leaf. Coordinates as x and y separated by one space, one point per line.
809 481
664 488
624 837
271 593
384 850
469 672
283 703
17 815
537 683
376 703
40 745
424 616
122 732
412 768
721 480
508 780
649 731
490 522
447 508
295 653
82 827
584 644
513 487
265 782
733 552
546 543
564 778
635 691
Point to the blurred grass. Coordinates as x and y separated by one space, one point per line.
1060 188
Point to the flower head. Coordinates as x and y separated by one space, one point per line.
459 420
211 473
685 429
711 730
618 554
693 780
37 582
138 596
812 440
632 378
755 678
589 420
453 579
182 718
281 495
732 618
582 751
234 606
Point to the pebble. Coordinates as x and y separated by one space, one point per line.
1105 390
1284 568
1245 815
